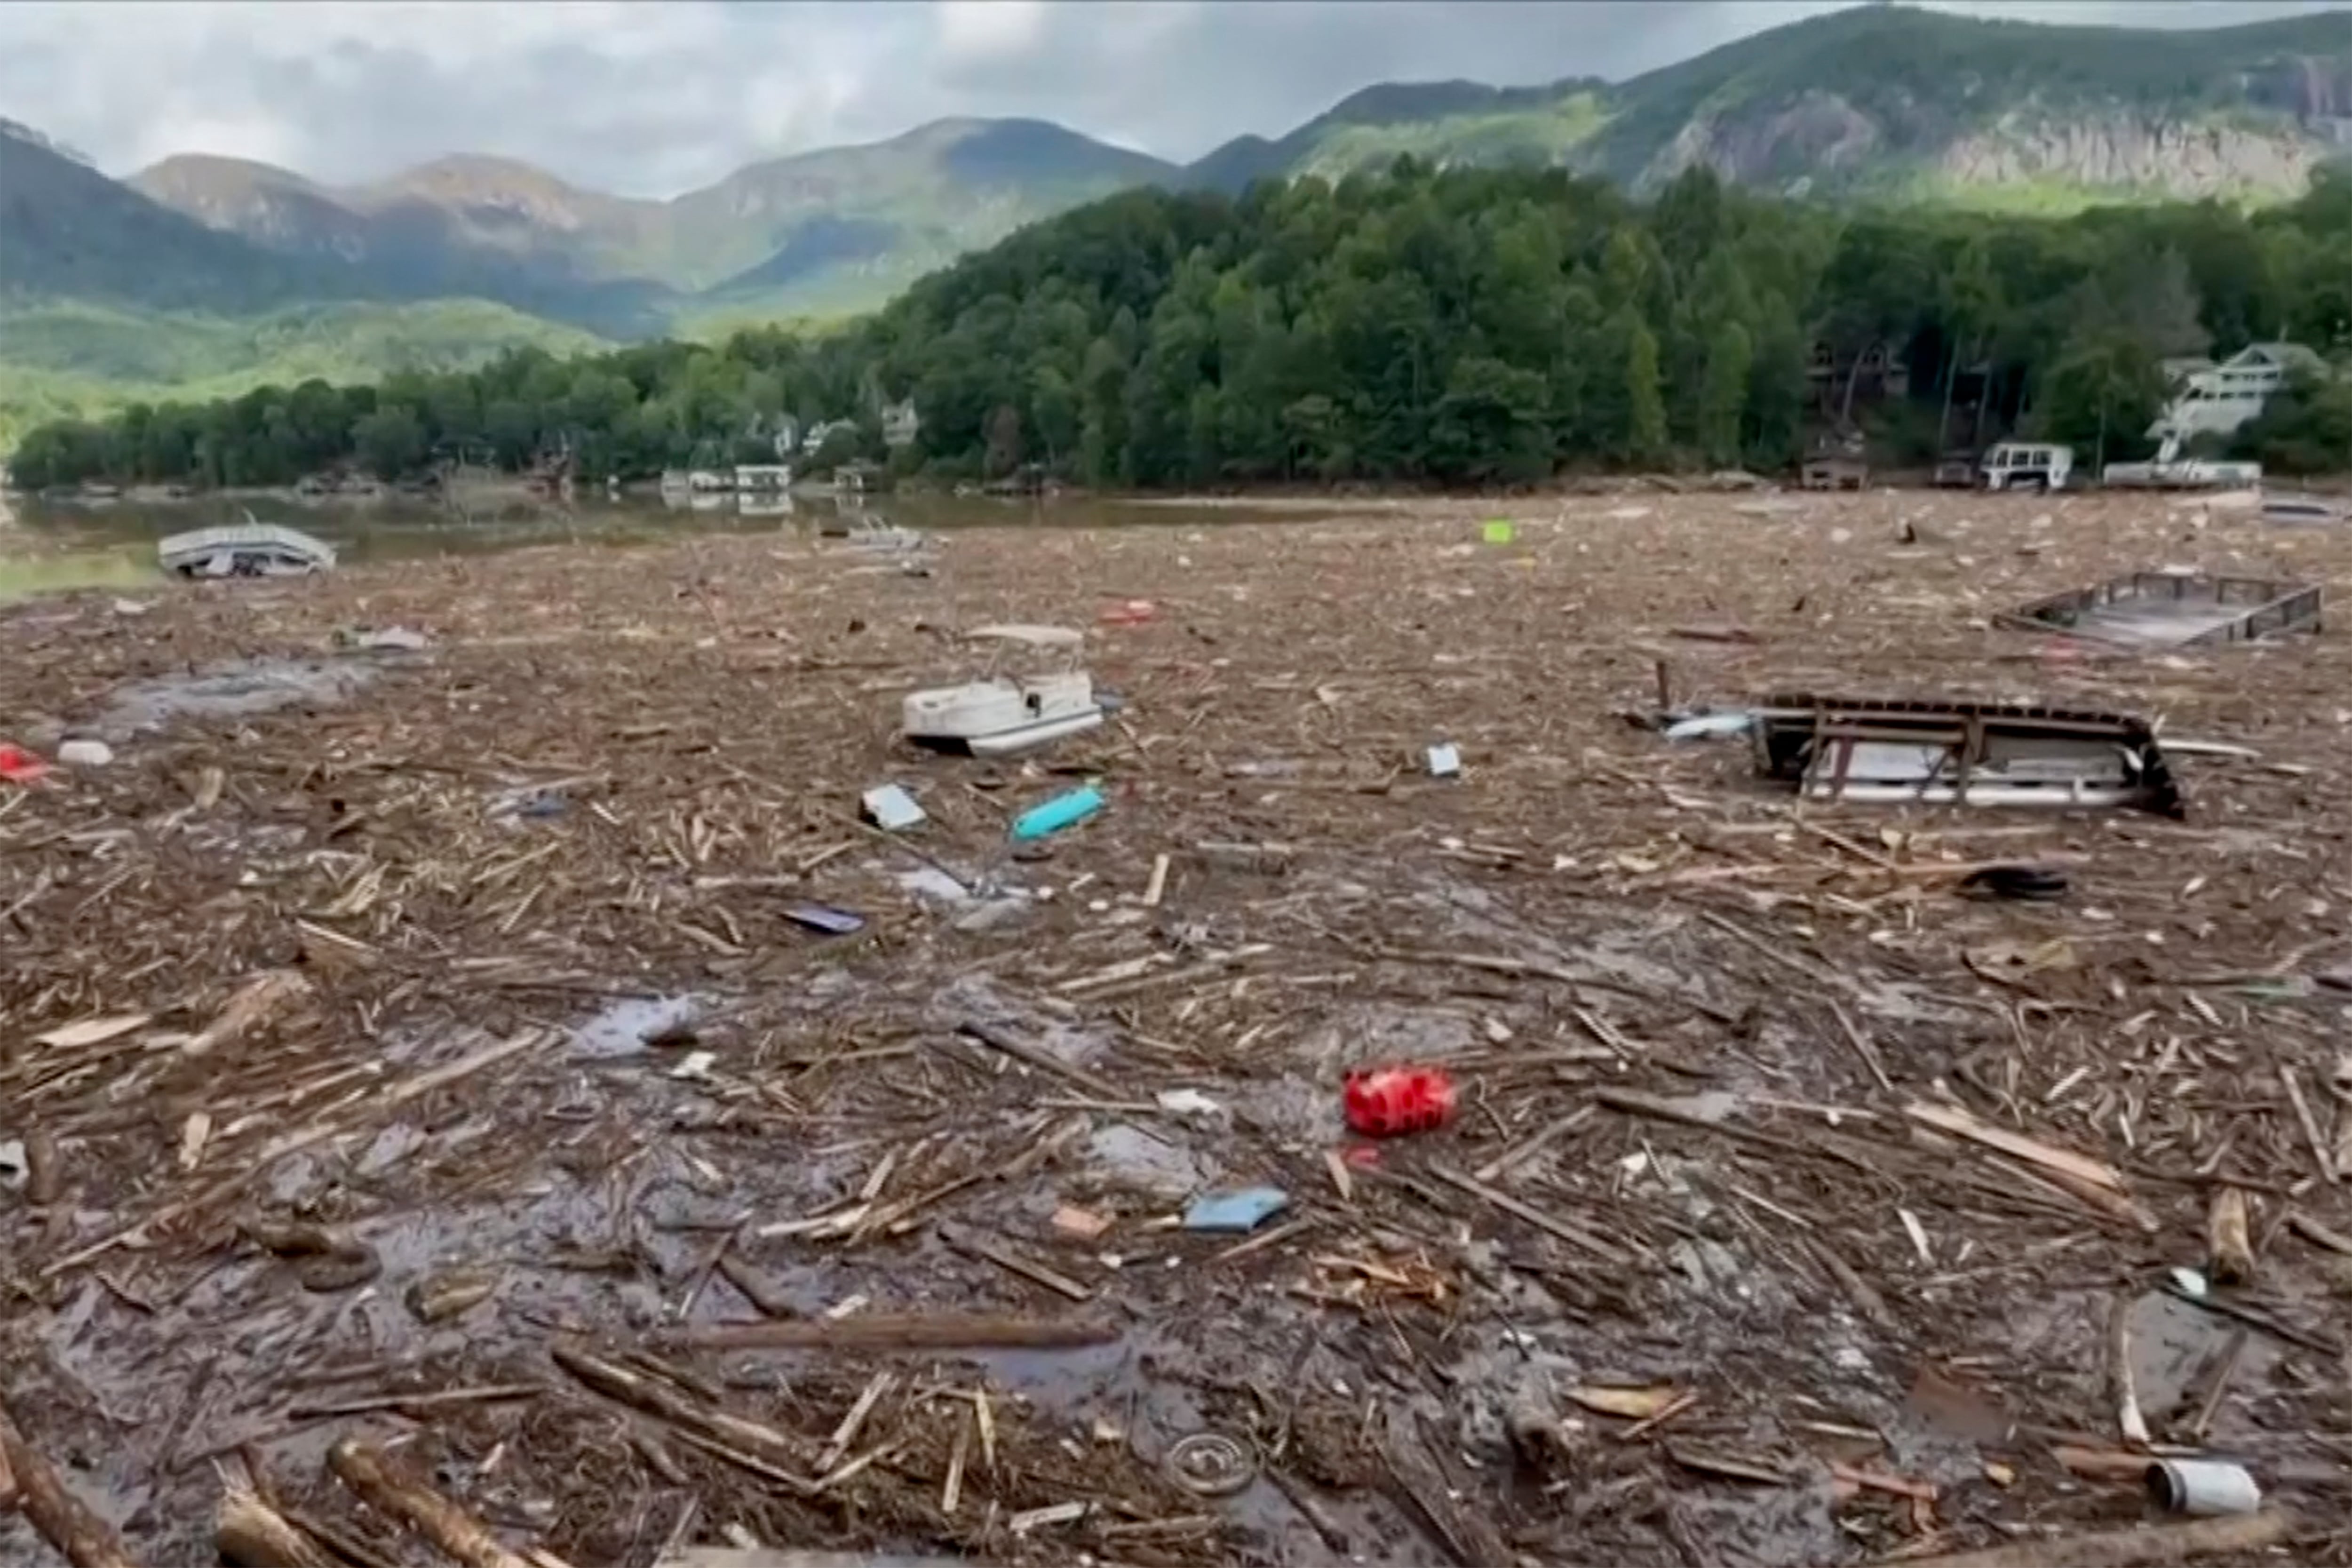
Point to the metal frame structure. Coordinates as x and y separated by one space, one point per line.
2272 608
1895 751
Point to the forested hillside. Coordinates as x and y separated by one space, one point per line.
1463 328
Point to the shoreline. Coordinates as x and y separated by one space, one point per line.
1267 498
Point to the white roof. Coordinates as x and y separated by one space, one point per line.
2284 354
1036 637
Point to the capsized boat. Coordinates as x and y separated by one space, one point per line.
245 550
1001 715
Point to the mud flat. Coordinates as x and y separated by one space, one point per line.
419 1068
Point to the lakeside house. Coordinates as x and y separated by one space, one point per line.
763 477
2211 399
814 441
1871 374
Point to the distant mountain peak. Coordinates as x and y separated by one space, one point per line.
458 177
1881 102
17 130
206 176
478 166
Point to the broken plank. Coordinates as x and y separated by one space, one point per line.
903 1331
371 1476
2131 1548
792 1557
56 1514
251 1534
1044 1061
1959 1123
1607 1252
1005 1257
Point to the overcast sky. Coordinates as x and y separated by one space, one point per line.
660 96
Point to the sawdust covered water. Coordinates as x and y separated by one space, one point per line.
1686 1221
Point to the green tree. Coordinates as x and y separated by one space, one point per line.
390 443
2306 429
1491 424
1645 409
2103 393
1003 440
1723 396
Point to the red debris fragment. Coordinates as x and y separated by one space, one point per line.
1389 1102
1128 613
19 767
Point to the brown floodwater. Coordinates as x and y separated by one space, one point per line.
58 546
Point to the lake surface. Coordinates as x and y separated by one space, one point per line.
111 544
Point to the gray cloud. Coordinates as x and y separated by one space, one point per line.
650 99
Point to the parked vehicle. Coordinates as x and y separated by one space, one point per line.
2171 471
2027 465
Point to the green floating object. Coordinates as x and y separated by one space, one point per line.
1499 531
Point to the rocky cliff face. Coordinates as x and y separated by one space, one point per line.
1818 134
1824 139
2146 153
255 201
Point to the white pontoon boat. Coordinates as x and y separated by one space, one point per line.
1000 715
250 549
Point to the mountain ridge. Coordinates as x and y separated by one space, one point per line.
1878 102
1881 100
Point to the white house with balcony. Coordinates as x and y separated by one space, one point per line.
2211 399
901 423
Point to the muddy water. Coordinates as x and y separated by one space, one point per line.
103 568
60 546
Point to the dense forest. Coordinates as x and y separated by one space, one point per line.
1465 327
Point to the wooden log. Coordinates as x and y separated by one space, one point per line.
2319 1234
1002 1039
780 1457
908 1332
1959 1123
2130 1548
370 1475
44 1172
1467 1536
57 1516
252 1534
791 1557
2230 1244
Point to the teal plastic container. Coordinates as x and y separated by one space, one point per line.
1057 813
